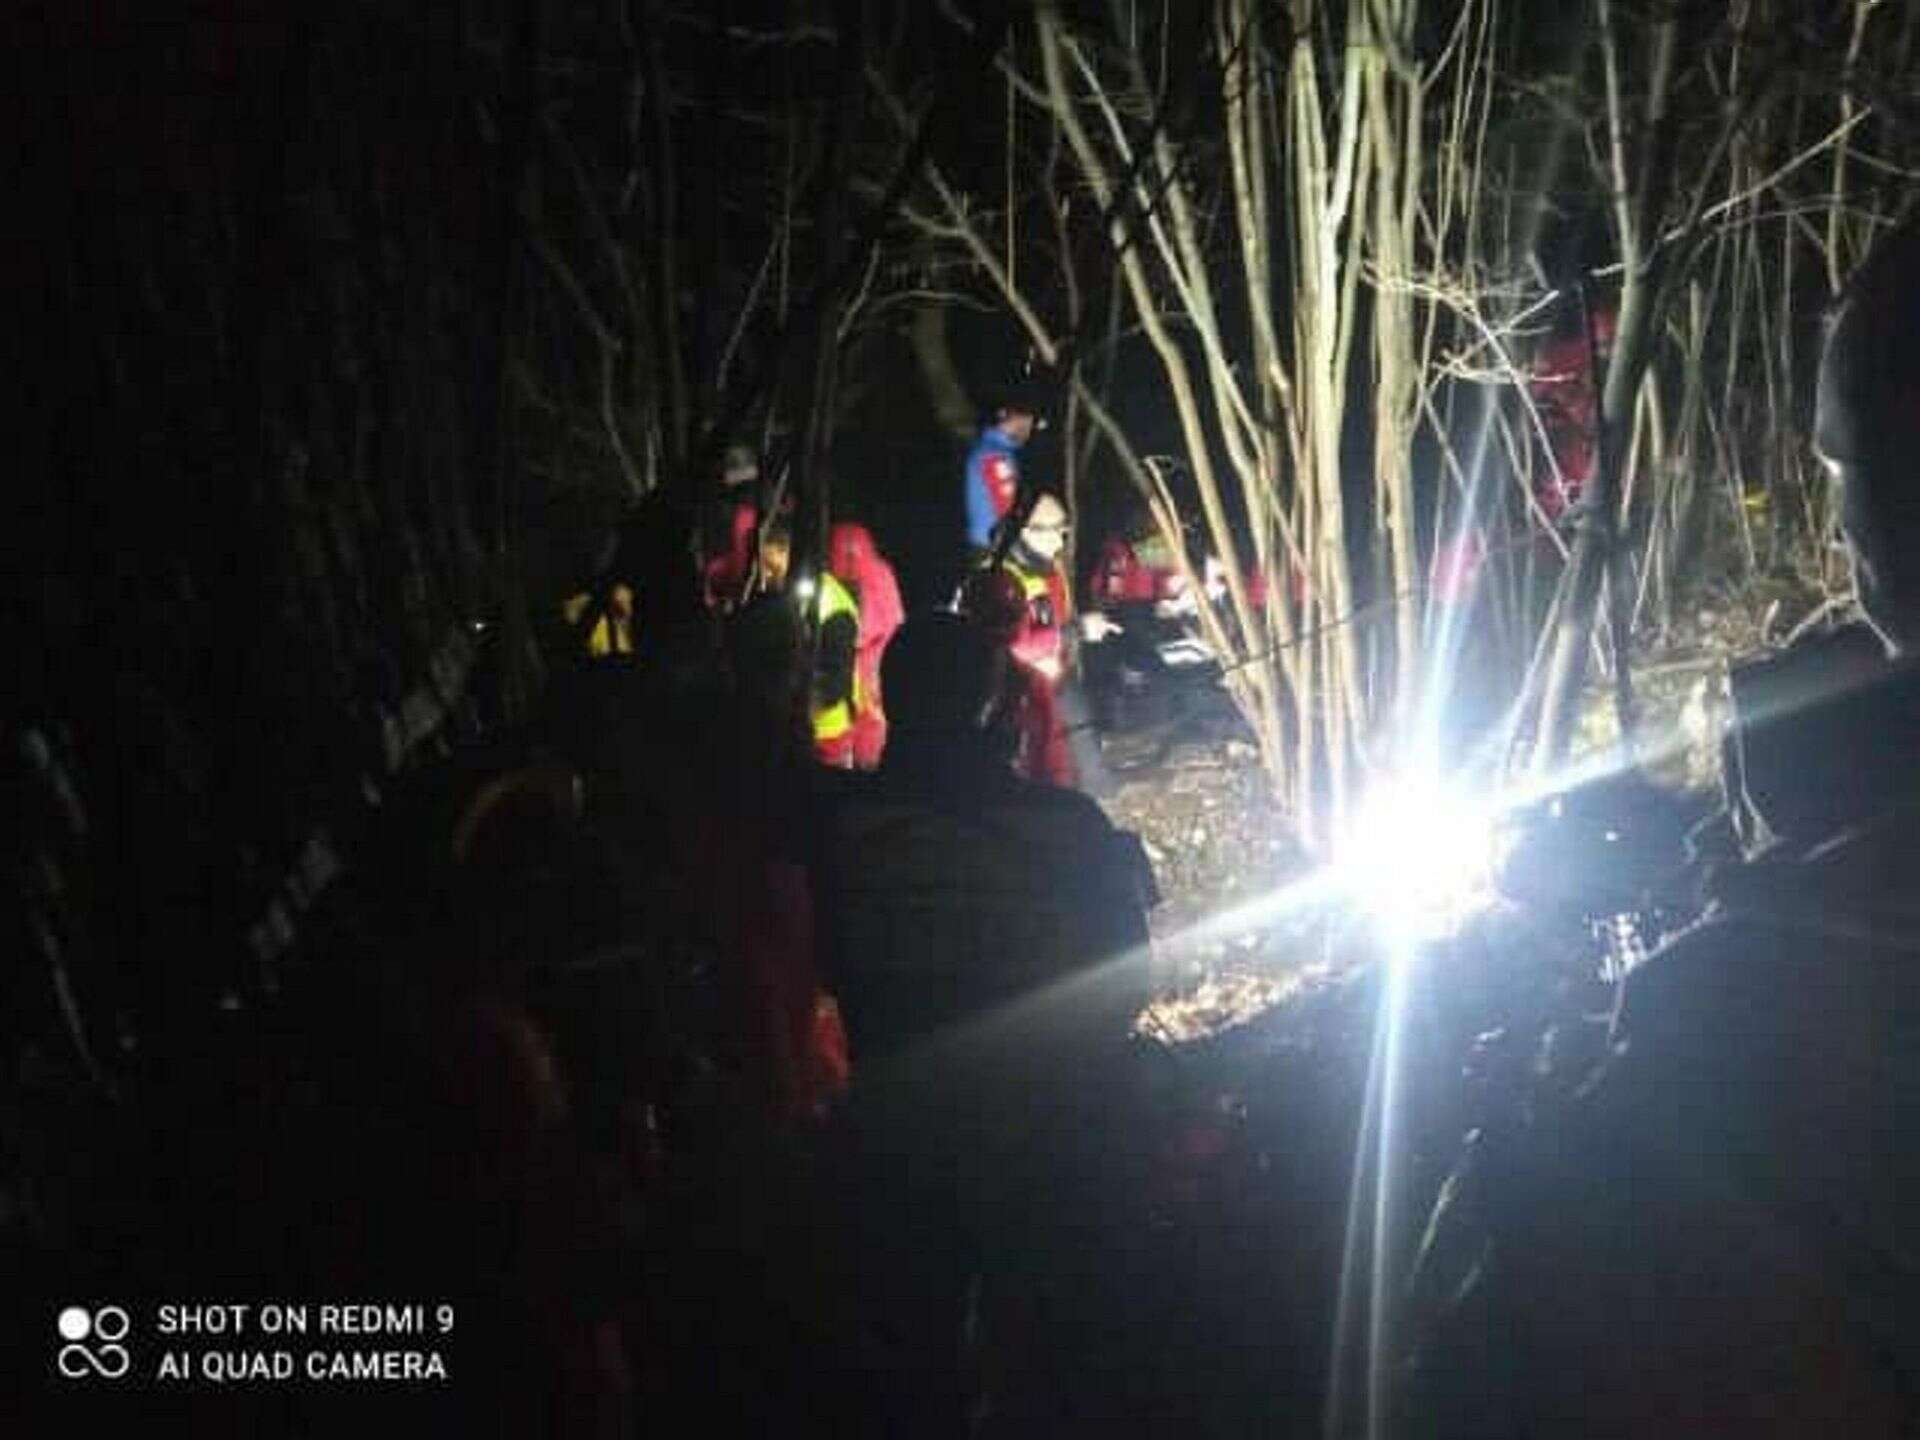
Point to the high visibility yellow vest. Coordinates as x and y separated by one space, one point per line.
835 720
1034 585
1031 585
1038 592
612 631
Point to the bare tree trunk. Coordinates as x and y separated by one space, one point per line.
521 669
1394 104
927 333
1257 685
1639 205
818 382
662 239
1327 236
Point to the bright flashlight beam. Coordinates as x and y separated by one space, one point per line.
1368 1259
1420 852
1416 850
1418 856
1292 901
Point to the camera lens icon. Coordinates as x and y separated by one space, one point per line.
106 1326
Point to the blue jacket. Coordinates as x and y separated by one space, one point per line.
993 479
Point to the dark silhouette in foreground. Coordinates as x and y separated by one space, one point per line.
986 937
1715 1234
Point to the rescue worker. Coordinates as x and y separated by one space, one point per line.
836 696
1039 642
986 938
727 529
1136 565
1121 577
599 616
1033 560
993 468
587 606
1028 732
1565 391
602 619
651 587
645 601
1715 1235
856 562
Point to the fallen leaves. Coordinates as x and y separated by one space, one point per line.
1217 839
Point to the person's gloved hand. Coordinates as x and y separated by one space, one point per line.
1178 604
1095 626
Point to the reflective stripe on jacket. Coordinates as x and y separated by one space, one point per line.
1039 641
833 721
611 631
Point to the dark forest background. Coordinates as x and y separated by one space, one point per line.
350 331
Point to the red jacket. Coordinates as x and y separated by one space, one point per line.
730 553
1120 578
1004 602
1041 752
856 560
1039 651
1564 391
757 904
852 555
1039 640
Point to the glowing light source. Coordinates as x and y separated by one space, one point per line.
805 588
1418 855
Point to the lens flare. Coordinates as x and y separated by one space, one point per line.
1418 856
